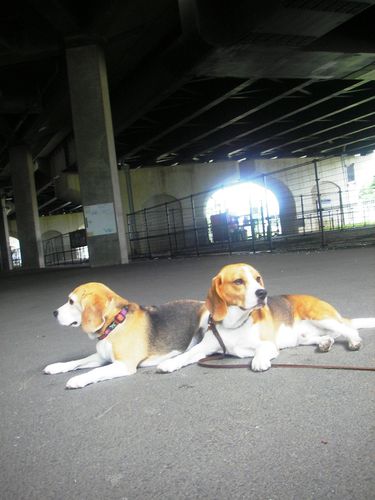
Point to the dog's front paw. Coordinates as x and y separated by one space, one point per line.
354 345
325 344
78 382
260 364
55 368
167 366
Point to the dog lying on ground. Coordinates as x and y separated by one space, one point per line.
254 325
128 334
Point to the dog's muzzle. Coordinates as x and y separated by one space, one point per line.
56 314
261 294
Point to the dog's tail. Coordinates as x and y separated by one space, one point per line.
363 322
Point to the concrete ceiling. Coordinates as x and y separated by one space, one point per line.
193 80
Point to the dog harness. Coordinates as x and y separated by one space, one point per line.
119 318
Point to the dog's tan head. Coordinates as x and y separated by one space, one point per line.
90 306
236 285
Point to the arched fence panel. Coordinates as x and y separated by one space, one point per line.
321 203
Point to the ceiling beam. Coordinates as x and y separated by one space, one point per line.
363 150
337 110
343 145
285 116
48 202
60 207
331 139
303 124
203 109
319 130
153 82
46 186
222 125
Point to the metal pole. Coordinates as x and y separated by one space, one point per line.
319 204
269 228
147 235
262 217
174 229
303 214
168 229
228 234
5 252
342 216
181 211
131 232
252 228
194 224
129 189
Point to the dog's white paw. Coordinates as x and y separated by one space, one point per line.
260 364
354 345
167 366
326 344
55 368
78 382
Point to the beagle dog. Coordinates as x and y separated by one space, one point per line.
251 324
128 335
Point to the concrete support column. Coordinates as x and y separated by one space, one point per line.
6 259
26 208
96 156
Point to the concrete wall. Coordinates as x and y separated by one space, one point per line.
183 180
180 180
54 223
155 182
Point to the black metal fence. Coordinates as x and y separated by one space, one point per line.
16 257
69 248
318 206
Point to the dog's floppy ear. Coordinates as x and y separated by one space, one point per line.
215 302
93 314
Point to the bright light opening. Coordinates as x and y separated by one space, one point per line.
15 251
14 243
247 209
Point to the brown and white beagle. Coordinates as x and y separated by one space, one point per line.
128 335
251 324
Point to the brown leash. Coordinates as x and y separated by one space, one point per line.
206 362
215 331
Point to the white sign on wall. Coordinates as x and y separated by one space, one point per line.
100 219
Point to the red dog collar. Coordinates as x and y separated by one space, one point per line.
119 318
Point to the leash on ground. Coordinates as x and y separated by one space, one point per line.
206 362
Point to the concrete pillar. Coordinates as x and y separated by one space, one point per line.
6 258
26 208
96 156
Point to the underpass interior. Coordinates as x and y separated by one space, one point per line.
145 145
109 109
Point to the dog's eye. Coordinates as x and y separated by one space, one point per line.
259 279
239 281
71 302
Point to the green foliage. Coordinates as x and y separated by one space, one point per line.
367 193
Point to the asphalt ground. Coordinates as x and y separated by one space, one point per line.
199 432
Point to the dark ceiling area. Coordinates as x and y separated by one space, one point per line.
192 80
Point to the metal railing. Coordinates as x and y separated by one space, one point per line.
314 212
318 208
69 248
16 257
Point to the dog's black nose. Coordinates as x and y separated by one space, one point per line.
261 293
55 313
